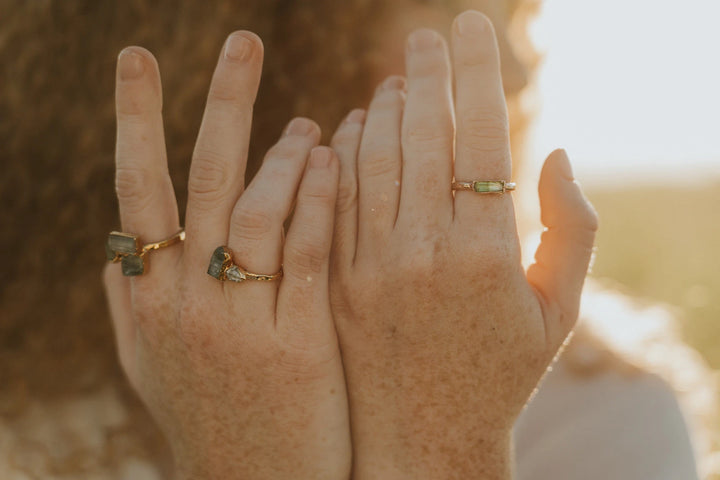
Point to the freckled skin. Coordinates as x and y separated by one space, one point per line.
244 378
444 336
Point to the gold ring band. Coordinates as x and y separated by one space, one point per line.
223 268
129 250
485 186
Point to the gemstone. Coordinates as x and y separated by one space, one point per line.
233 273
488 187
109 254
125 243
217 261
133 265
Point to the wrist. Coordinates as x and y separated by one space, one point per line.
440 458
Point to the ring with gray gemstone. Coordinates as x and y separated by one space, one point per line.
127 249
485 186
223 268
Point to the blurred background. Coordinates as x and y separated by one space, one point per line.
638 110
631 89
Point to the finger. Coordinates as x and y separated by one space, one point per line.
346 142
218 166
145 192
117 290
303 311
562 259
256 225
482 142
380 165
427 132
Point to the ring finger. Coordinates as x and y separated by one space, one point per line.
380 164
256 226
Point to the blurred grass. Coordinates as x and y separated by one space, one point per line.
663 243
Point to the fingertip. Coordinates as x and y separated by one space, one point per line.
242 46
323 157
133 62
393 82
559 162
357 115
471 22
562 201
303 126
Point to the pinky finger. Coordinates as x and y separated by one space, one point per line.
303 311
117 290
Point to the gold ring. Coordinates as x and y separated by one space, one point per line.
485 186
223 268
129 250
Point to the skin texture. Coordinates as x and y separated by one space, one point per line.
245 380
444 336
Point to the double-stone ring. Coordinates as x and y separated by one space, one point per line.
127 249
223 268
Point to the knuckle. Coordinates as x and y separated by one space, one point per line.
346 195
224 93
432 65
377 162
305 257
429 137
388 100
251 221
209 177
134 188
484 129
591 218
347 135
319 196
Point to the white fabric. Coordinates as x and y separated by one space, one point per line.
606 427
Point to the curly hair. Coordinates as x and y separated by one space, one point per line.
57 135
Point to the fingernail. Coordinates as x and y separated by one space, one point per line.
393 83
300 127
130 65
356 116
471 23
424 39
237 47
320 157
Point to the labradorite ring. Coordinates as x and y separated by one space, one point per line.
485 186
223 268
127 249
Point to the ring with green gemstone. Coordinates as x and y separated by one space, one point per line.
223 268
485 186
127 249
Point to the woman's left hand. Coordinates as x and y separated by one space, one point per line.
444 335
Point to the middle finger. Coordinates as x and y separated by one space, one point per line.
218 166
427 132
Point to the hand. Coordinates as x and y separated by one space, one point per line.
444 336
244 379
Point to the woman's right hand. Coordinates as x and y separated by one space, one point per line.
245 379
444 335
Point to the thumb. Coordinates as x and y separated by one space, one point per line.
562 259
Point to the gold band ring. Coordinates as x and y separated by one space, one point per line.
129 250
485 186
223 268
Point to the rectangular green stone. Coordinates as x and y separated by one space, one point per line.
488 187
133 265
125 243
